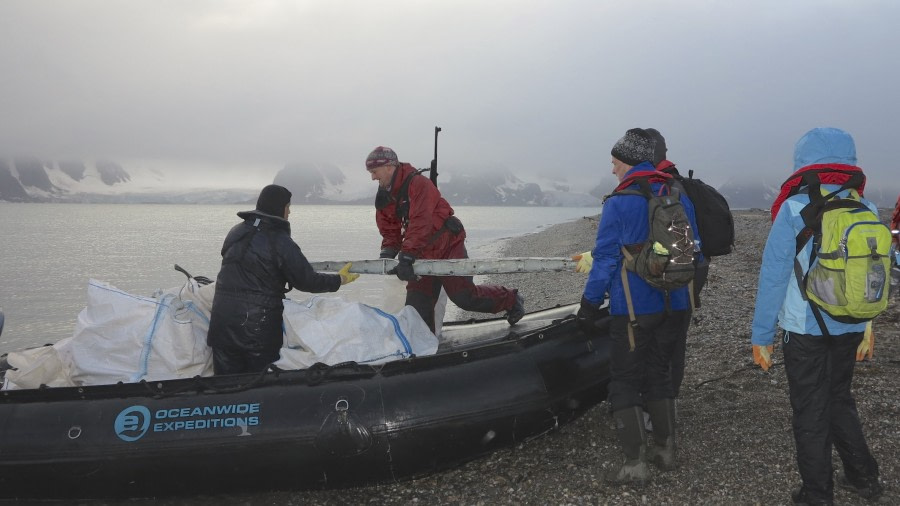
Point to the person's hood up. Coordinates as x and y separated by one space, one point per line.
824 145
275 221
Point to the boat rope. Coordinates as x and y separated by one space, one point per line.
205 385
315 374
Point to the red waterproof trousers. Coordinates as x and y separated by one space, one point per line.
423 293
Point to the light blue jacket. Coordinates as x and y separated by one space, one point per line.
624 221
778 296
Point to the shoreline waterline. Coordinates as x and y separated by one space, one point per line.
51 251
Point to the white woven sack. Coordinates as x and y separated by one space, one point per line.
331 331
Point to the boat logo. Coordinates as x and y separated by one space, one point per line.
132 423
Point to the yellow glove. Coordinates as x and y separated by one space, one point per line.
762 355
867 347
585 261
346 275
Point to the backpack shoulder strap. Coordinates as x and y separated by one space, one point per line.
632 319
643 183
818 203
403 195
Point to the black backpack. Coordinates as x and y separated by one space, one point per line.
714 220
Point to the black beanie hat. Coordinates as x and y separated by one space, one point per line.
634 147
273 199
659 152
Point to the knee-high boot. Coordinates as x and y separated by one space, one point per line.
633 439
662 414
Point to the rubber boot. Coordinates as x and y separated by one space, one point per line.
633 438
662 414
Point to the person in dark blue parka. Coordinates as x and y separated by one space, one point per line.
640 375
258 259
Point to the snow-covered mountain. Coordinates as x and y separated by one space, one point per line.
325 183
29 179
499 186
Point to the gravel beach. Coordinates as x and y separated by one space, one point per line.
734 420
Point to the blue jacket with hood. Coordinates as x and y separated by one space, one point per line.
624 221
778 297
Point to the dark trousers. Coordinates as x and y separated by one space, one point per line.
643 374
820 372
423 293
678 344
234 360
679 349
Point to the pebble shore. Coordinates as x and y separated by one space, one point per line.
734 420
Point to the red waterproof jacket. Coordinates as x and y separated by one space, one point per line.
796 180
427 213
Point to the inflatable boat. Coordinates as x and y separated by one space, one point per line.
490 385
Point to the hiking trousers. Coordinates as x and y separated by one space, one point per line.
647 368
678 344
820 373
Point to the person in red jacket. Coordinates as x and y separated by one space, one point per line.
416 222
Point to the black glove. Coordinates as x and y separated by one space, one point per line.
591 318
388 253
405 267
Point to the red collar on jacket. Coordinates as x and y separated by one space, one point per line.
653 176
665 164
825 177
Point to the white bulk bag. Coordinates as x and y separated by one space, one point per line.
34 367
124 337
331 331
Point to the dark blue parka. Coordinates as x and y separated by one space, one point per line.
258 259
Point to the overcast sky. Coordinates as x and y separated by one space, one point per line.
537 86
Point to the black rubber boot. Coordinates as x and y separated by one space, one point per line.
517 311
633 439
869 489
801 498
662 414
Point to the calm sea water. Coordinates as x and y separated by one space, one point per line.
49 251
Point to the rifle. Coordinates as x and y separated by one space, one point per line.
433 174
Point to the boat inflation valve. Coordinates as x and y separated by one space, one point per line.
342 434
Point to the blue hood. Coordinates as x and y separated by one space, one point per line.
824 145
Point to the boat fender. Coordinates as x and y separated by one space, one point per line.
342 434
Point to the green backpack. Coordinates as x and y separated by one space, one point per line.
850 258
666 259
